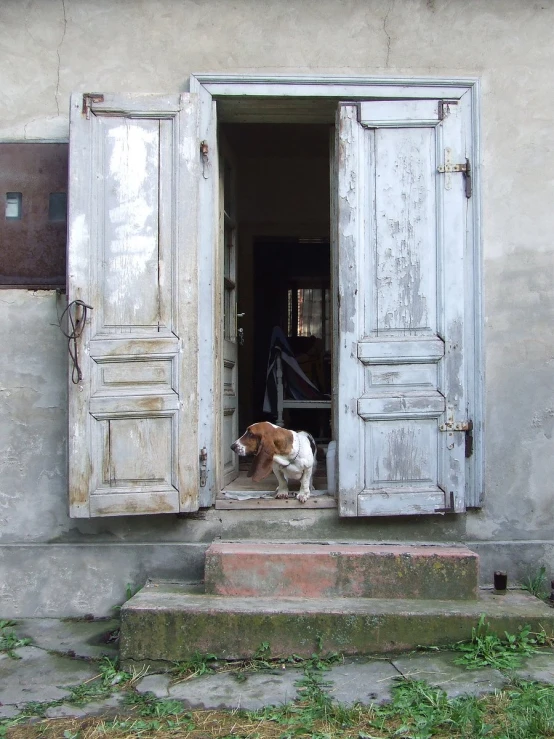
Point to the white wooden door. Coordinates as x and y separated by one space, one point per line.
402 399
230 318
133 446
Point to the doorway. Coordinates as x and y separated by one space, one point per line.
279 179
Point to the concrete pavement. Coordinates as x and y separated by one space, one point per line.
66 653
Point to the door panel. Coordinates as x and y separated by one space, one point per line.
401 309
132 257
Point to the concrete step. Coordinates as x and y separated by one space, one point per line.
255 569
166 623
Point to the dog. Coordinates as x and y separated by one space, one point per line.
290 454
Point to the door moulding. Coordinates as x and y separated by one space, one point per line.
313 99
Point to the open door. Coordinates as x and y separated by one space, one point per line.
402 312
133 417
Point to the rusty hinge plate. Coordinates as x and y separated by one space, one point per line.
88 99
453 168
461 426
449 167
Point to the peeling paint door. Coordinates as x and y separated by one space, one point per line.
133 445
401 315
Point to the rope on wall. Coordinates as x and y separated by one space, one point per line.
75 315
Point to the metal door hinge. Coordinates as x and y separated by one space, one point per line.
448 168
88 99
203 466
204 156
451 426
466 427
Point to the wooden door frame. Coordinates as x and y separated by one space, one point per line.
312 99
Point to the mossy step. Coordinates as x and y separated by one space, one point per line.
168 622
290 569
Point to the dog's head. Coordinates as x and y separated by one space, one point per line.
265 441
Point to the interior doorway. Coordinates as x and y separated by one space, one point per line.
279 297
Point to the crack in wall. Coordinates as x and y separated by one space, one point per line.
57 93
385 30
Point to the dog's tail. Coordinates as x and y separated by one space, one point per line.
312 443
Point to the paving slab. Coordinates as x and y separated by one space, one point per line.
362 682
223 690
67 710
9 711
539 667
81 638
39 676
158 685
440 671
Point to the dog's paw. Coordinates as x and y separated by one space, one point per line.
302 497
281 493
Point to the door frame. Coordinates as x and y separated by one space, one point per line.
313 99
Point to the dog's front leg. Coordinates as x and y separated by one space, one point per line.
283 489
305 485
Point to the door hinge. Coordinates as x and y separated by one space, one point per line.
203 466
448 168
204 156
88 99
466 427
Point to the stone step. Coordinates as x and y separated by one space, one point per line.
254 569
166 623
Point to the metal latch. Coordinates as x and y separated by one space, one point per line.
203 466
449 167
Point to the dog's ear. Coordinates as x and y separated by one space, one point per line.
262 463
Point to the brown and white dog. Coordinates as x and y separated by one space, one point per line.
290 454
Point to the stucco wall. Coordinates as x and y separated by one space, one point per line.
52 565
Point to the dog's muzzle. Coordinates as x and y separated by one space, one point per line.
238 448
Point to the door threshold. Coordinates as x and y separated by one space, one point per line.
228 500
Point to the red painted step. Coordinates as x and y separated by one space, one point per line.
252 569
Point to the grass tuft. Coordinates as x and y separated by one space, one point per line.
536 584
489 650
9 639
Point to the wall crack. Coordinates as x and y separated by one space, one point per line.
386 32
57 93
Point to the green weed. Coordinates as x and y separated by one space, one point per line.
489 650
536 584
130 590
110 678
198 664
9 639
